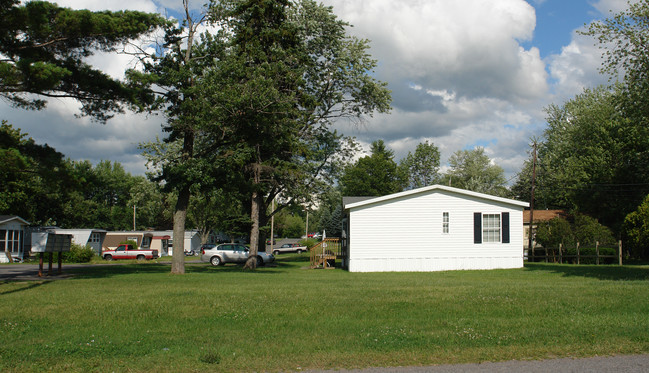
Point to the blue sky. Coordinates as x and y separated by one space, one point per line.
555 22
463 73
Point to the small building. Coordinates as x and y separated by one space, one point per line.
435 228
192 241
154 240
93 238
12 237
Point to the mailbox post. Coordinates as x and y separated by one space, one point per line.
47 242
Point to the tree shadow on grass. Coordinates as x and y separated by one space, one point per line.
600 272
27 286
105 271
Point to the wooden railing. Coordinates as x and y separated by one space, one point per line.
325 253
563 254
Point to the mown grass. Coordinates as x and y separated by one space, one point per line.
138 317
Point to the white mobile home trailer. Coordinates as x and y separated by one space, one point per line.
434 228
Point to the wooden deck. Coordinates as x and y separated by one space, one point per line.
325 253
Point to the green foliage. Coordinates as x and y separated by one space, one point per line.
255 102
104 196
308 242
36 181
43 188
130 242
588 231
373 175
289 225
613 169
590 159
332 225
635 232
554 232
624 38
473 170
44 47
421 168
583 229
77 254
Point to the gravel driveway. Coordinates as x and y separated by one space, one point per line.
617 364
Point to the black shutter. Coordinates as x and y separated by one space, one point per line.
505 218
477 227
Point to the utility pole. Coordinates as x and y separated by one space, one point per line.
530 243
134 208
272 226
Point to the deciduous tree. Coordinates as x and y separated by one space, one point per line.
473 170
373 175
421 168
35 179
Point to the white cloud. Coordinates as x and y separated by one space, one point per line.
576 68
458 70
606 7
459 75
440 45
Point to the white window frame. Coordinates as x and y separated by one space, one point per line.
95 237
491 227
445 222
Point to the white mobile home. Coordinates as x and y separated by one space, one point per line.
94 238
12 233
434 228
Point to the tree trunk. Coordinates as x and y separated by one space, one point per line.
257 200
180 215
251 263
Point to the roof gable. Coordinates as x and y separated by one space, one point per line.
432 188
8 218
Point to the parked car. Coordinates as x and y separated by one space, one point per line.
289 248
232 253
268 241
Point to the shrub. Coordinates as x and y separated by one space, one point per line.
77 254
308 242
584 229
635 231
554 232
588 231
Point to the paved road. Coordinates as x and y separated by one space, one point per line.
613 364
29 272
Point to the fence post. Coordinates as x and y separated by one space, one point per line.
597 251
560 254
620 251
577 252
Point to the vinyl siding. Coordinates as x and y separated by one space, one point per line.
406 234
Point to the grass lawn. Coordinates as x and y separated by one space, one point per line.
138 317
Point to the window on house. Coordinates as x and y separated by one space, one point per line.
3 239
445 222
94 237
491 228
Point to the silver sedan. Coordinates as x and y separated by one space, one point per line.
232 253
